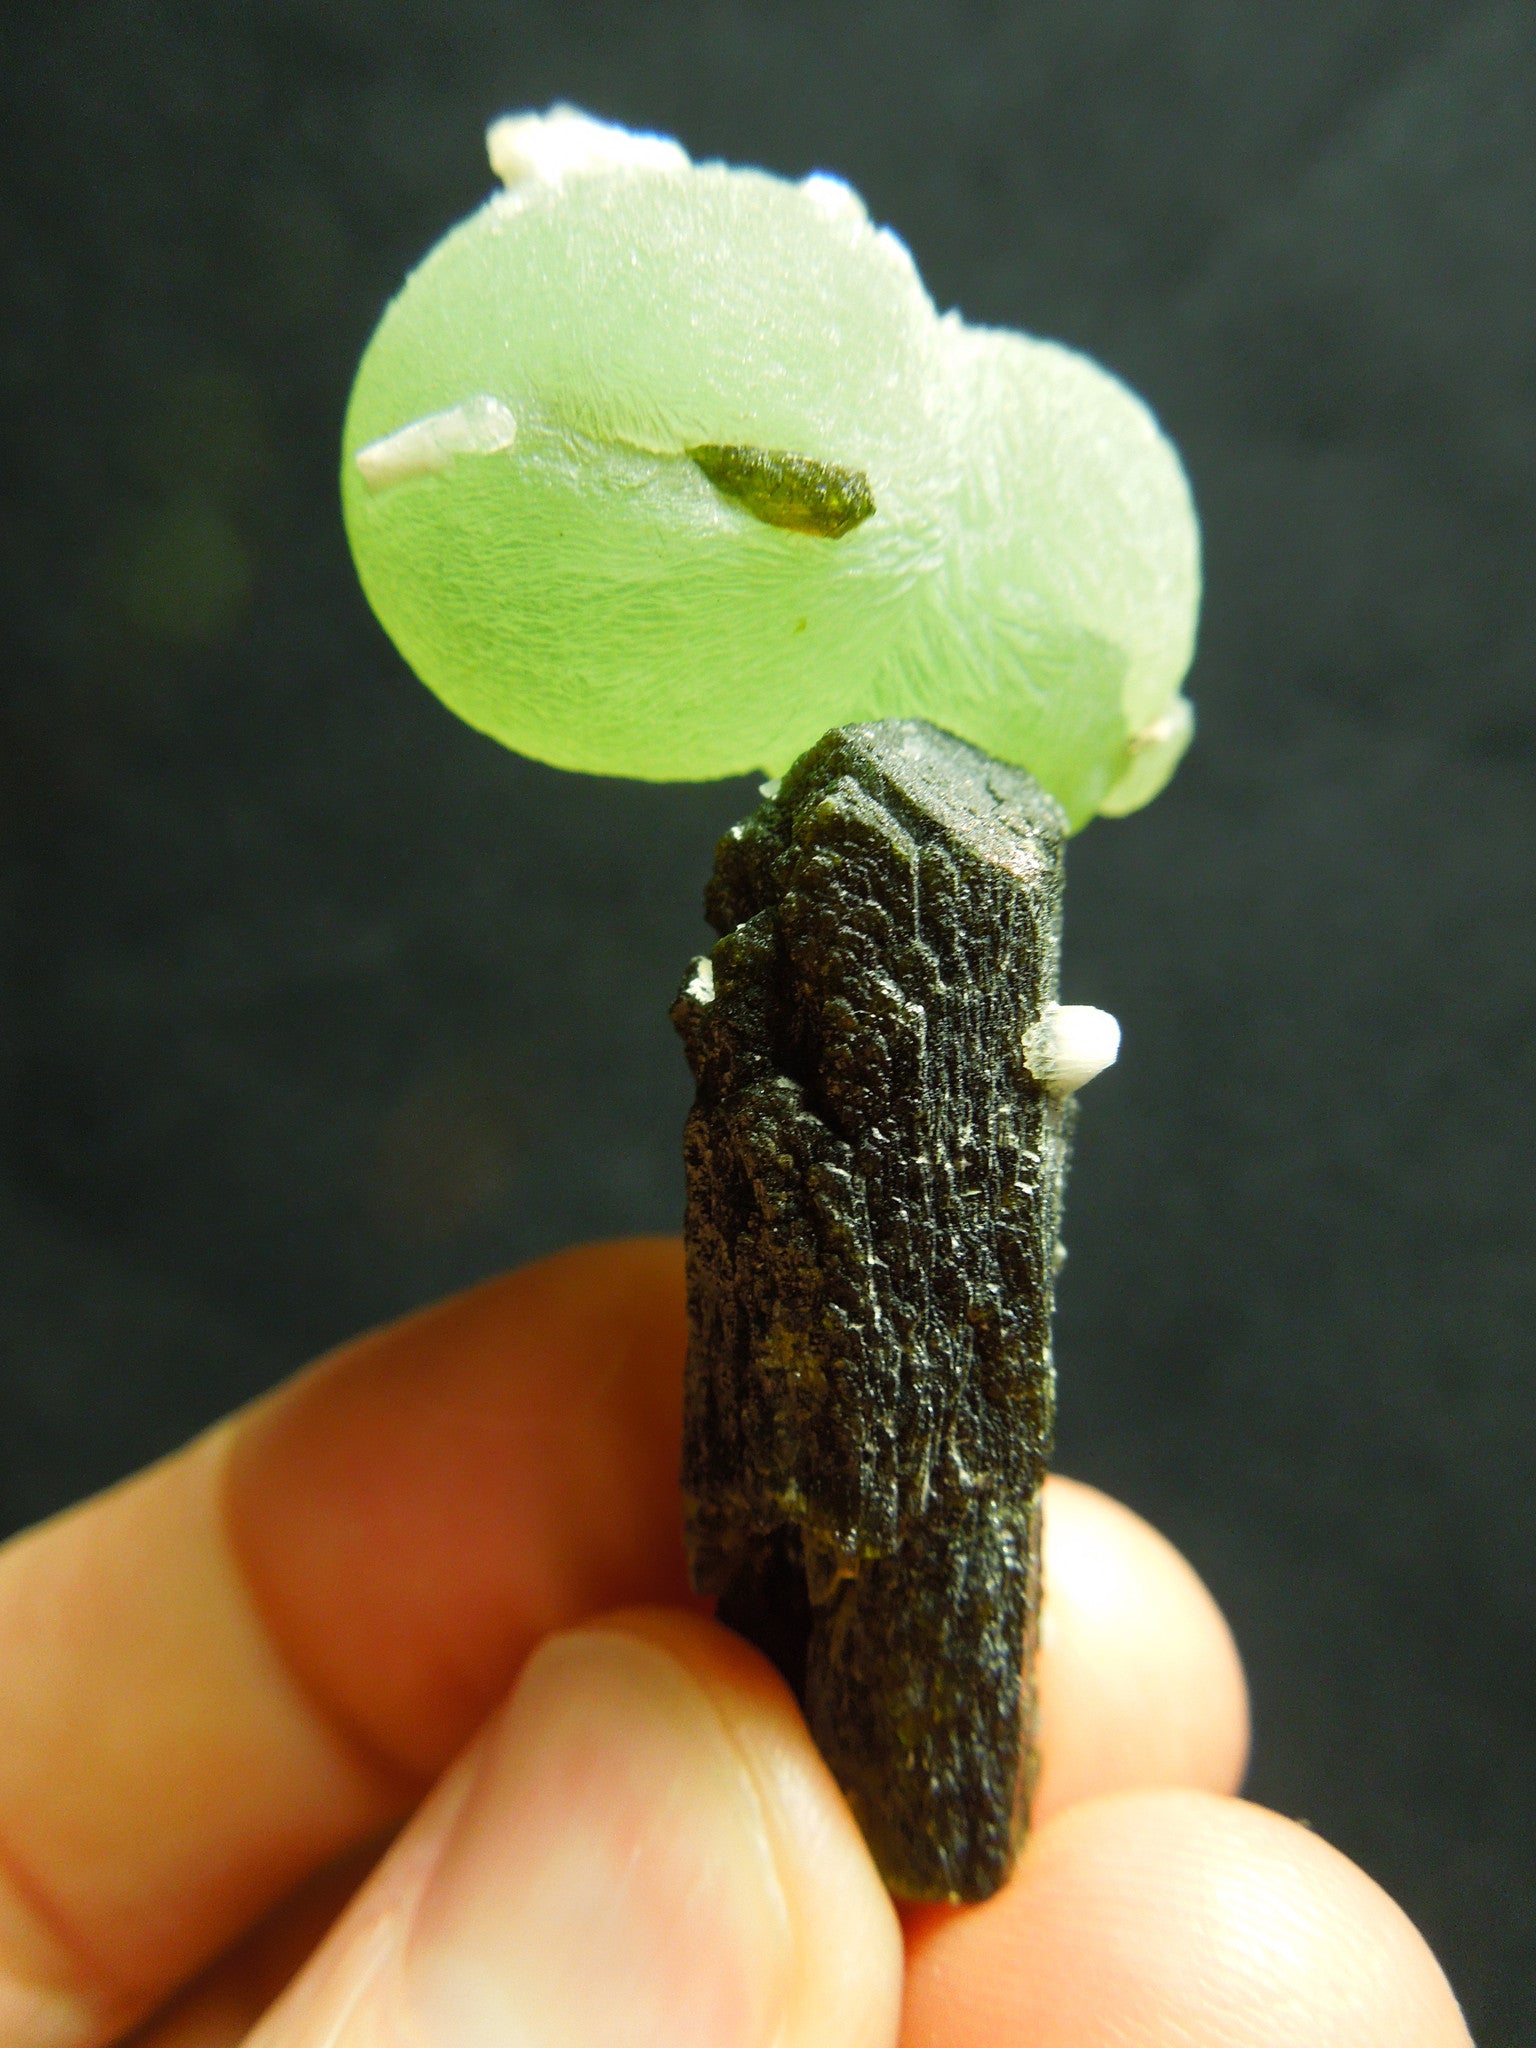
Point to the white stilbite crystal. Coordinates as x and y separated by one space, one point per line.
837 200
479 426
701 983
1071 1043
547 148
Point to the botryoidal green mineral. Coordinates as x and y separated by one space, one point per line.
662 470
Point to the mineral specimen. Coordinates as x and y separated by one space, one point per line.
874 1196
662 469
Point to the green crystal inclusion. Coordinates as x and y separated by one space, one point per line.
791 491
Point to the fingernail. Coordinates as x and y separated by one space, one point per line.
610 1877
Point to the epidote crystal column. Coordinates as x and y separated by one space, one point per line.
874 1195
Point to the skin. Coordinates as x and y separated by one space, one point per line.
389 1691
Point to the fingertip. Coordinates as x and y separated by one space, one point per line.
646 1847
847 1938
1140 1681
1152 1917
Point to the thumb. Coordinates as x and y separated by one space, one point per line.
644 1847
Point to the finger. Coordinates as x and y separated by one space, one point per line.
219 2007
161 1775
418 1513
1140 1680
646 1848
1158 1917
224 1674
1140 1685
233 1669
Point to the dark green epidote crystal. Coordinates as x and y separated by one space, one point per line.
795 491
874 1196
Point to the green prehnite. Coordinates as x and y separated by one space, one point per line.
661 470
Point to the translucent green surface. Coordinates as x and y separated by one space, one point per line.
531 529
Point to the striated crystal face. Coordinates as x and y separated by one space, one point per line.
662 470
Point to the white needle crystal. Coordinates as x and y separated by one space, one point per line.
1071 1043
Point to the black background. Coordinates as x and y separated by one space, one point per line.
316 1004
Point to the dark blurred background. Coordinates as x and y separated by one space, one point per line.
316 1004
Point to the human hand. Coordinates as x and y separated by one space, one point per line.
230 1681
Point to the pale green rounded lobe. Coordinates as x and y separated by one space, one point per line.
583 592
